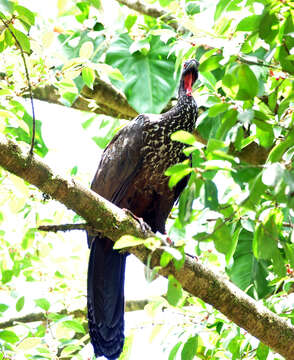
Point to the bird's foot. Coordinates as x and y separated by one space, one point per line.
144 227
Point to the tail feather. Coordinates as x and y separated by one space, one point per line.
106 274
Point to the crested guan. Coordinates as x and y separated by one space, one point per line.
131 175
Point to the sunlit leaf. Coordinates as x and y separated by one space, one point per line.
128 241
25 14
183 137
249 23
9 336
88 76
174 351
174 291
86 50
130 21
29 344
43 304
74 325
190 348
20 303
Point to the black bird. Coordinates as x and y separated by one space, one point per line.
131 175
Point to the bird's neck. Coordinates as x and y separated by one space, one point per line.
183 115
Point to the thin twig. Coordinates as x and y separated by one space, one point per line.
6 24
68 227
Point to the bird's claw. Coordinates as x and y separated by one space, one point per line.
144 227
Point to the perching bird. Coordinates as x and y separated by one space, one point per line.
131 175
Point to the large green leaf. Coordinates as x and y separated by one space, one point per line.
150 81
248 273
240 82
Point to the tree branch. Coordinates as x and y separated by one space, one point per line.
155 12
131 305
113 222
103 99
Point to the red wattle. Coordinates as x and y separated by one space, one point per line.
188 83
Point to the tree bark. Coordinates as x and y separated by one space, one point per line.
103 99
113 222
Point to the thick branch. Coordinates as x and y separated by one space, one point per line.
114 222
103 99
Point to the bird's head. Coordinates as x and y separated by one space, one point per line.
189 76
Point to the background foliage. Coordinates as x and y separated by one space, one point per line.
235 215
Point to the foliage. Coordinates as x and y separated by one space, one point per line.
234 214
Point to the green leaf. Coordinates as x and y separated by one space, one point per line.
217 165
262 351
176 168
222 238
264 133
69 350
248 273
74 171
211 198
174 291
28 238
192 8
128 241
88 76
257 188
218 109
86 50
183 137
229 119
96 3
25 14
190 348
178 176
150 80
74 325
220 8
165 2
249 23
277 152
73 51
186 202
130 21
3 307
174 351
165 258
43 304
20 303
265 242
9 336
210 64
29 344
23 39
6 276
142 46
240 82
268 28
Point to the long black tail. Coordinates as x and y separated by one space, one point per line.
106 275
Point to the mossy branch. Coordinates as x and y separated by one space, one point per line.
113 222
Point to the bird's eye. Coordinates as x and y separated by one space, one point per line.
185 65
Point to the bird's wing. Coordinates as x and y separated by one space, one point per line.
120 162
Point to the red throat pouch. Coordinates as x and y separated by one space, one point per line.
188 83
